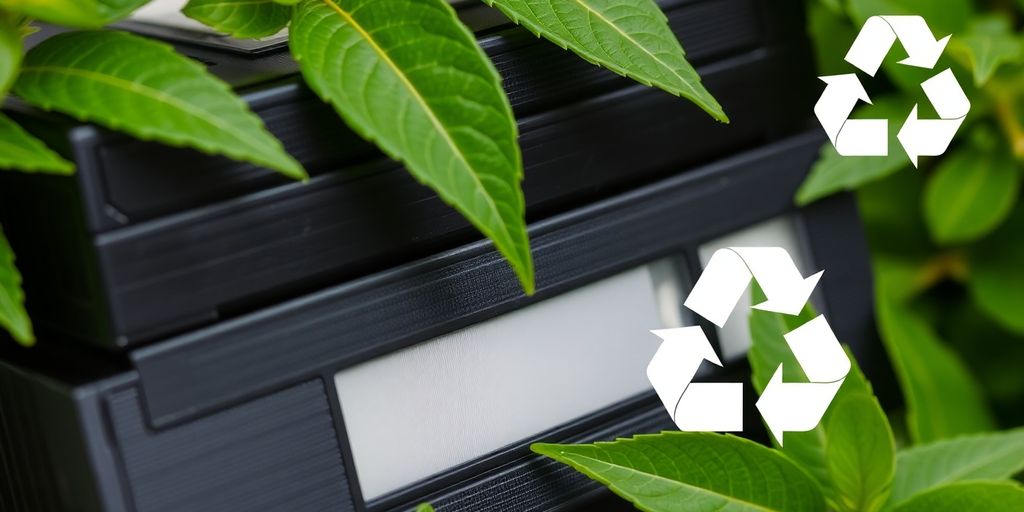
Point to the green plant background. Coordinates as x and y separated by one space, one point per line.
947 244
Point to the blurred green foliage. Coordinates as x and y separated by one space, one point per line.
947 239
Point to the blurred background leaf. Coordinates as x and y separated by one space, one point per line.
993 456
969 194
968 497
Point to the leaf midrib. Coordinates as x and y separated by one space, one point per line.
144 90
571 456
638 45
425 107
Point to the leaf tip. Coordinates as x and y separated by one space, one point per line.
546 449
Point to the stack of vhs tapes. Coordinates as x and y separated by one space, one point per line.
217 338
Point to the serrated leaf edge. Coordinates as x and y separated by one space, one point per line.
718 114
524 271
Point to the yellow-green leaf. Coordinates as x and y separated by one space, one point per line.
10 54
21 151
13 317
244 19
74 13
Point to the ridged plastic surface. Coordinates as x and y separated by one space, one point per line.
182 272
536 74
275 453
347 323
43 462
537 483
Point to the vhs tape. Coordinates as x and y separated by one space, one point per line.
429 380
148 241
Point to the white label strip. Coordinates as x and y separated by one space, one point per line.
168 13
422 410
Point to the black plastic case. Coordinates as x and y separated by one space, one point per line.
244 415
148 241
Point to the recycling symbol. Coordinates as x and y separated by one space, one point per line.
718 406
869 137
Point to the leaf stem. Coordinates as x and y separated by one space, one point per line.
1003 103
947 265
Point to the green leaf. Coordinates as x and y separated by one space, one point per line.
144 88
10 54
74 13
988 43
768 349
860 451
944 18
969 497
424 507
244 19
829 447
13 317
968 328
768 346
996 277
969 194
629 37
408 76
994 456
943 399
891 211
832 35
693 472
23 152
834 173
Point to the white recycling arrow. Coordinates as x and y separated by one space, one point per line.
729 272
799 406
869 137
879 33
931 137
794 407
718 406
695 406
851 137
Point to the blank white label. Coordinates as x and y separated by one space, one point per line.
425 409
734 338
168 13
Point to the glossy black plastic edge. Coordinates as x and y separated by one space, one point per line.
537 76
109 318
353 322
191 269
